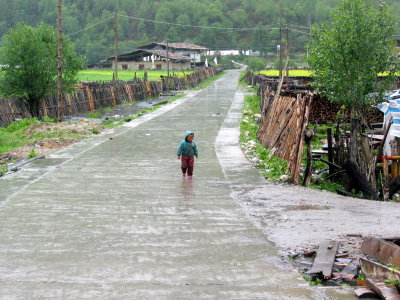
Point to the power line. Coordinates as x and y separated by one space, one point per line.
307 33
200 26
93 25
301 26
232 29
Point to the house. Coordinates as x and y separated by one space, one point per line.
155 56
191 51
224 52
143 59
234 52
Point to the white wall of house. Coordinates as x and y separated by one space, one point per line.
192 54
158 65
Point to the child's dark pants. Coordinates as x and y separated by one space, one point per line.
187 164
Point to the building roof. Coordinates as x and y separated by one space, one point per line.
187 46
146 52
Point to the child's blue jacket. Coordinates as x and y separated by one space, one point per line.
187 149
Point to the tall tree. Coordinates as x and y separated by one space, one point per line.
30 55
348 55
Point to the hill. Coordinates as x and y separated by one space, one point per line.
96 42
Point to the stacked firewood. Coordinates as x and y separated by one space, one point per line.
323 111
285 118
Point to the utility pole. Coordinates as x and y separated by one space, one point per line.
167 59
287 51
59 57
167 66
116 45
280 50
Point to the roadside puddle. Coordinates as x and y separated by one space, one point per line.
306 207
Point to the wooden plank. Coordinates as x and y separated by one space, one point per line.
365 293
350 271
385 251
378 271
386 291
325 258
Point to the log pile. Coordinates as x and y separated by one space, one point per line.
322 111
94 95
285 120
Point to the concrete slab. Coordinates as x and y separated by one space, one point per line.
113 218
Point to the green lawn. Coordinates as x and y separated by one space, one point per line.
107 74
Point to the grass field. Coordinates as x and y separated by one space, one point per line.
107 74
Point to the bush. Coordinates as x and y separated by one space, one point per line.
47 119
255 63
21 124
94 115
32 154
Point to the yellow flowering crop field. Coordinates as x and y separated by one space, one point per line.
300 73
292 73
125 75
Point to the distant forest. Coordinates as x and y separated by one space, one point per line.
97 42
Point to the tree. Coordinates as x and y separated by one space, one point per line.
260 40
348 55
255 63
30 55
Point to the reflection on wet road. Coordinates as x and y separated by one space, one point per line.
115 220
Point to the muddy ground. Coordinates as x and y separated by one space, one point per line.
81 129
297 219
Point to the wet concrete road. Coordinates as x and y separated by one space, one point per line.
112 218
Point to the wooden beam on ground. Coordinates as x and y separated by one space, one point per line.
366 293
350 271
14 167
325 258
378 271
386 291
330 163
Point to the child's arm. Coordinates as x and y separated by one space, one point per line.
179 152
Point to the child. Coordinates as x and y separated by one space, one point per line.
188 150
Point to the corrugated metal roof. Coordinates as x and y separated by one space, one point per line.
177 46
161 53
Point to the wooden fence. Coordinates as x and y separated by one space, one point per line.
94 95
285 118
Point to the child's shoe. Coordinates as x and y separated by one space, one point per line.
189 177
183 175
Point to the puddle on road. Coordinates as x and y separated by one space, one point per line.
306 207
